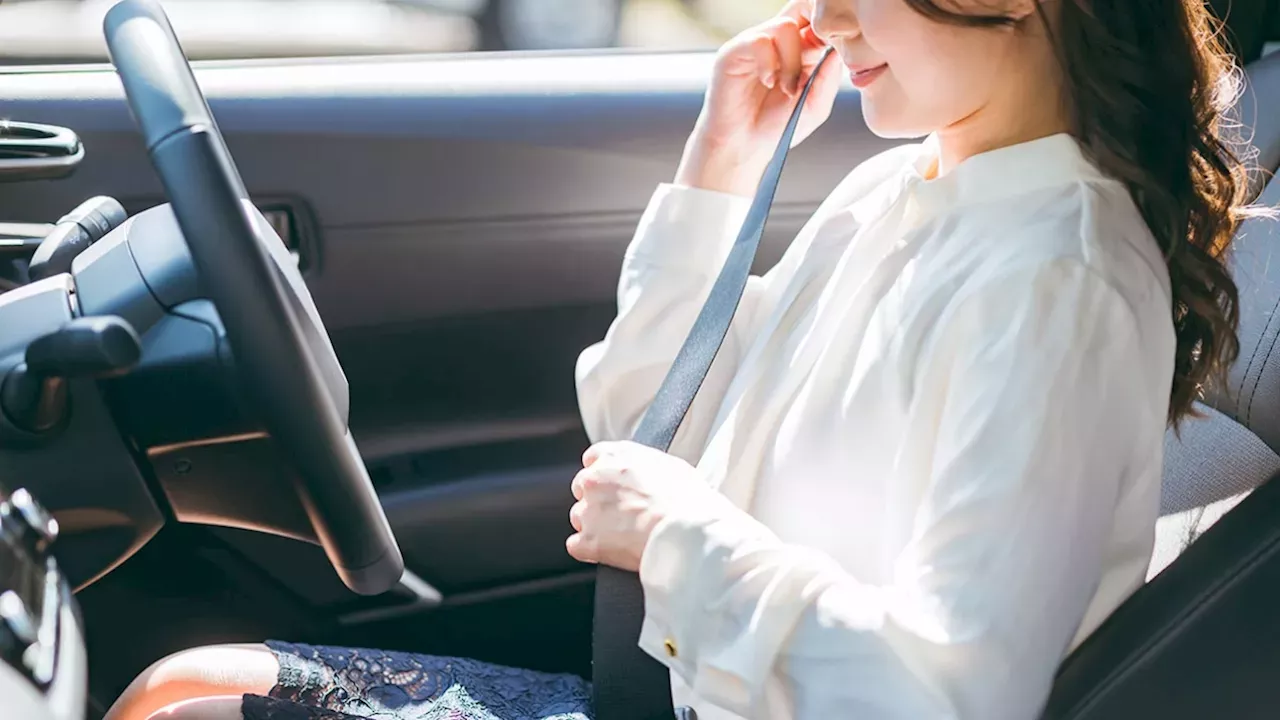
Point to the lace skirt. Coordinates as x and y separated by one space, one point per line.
328 683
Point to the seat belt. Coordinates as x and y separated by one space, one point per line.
627 683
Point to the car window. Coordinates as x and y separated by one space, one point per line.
69 31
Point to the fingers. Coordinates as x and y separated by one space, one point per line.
776 54
763 57
581 545
600 450
779 52
591 465
812 42
790 50
582 549
820 101
799 10
812 48
579 484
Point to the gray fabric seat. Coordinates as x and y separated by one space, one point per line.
1199 639
1220 458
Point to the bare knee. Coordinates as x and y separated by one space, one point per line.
217 671
216 708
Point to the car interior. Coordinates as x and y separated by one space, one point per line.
407 253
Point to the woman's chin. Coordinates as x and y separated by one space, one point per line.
890 123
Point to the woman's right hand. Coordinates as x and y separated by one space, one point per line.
757 77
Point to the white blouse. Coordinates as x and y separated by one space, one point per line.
940 418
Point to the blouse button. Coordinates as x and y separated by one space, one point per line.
670 646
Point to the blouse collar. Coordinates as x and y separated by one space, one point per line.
992 176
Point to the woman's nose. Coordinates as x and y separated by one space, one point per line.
833 19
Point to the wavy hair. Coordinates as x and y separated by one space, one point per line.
1149 86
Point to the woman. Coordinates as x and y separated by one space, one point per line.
928 457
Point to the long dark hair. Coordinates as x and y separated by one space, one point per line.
1149 84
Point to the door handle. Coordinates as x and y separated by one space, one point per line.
30 151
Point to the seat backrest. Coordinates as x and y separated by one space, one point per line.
1202 638
1215 460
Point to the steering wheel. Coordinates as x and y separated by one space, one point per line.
282 351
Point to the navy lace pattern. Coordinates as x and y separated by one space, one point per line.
329 683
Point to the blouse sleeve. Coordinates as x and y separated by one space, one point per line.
1038 383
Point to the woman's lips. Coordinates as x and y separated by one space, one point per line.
862 77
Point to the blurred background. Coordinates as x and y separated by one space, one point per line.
61 31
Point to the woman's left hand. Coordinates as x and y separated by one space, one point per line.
624 490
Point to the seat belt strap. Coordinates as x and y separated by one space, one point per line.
627 683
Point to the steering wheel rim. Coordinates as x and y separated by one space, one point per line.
279 342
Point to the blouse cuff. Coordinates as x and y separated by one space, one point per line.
695 601
688 228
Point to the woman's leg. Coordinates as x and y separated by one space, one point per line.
251 707
225 672
217 708
288 681
365 682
